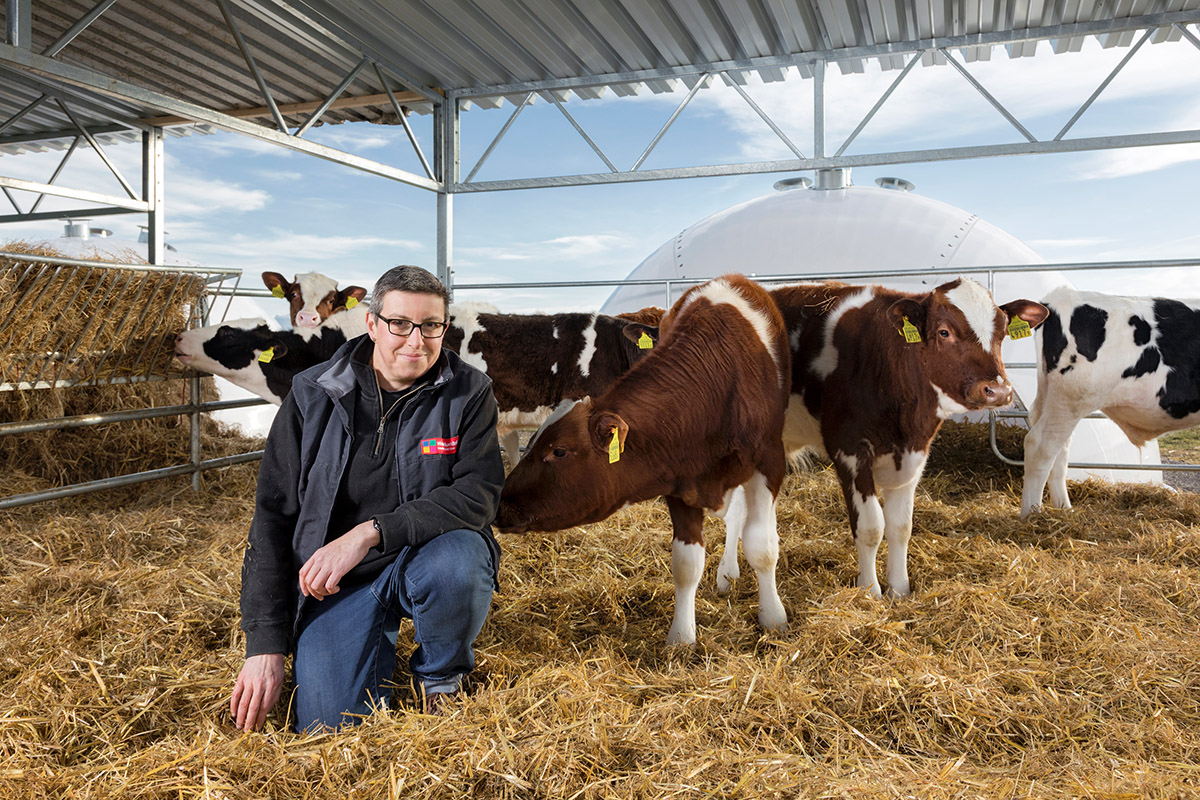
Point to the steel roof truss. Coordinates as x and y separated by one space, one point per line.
62 214
12 200
328 101
878 104
1104 85
94 81
671 121
57 171
579 128
1191 37
811 58
22 112
77 194
252 65
500 135
99 151
400 113
987 95
79 27
770 122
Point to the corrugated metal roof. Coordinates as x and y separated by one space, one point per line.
495 49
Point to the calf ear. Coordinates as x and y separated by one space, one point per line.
355 292
602 424
1033 313
634 331
907 307
278 347
276 283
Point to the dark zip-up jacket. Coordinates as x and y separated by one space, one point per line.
449 477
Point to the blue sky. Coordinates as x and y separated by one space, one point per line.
236 202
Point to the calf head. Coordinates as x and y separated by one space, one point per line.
236 350
961 329
566 477
313 297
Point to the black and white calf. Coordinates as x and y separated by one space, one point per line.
537 360
1137 359
247 353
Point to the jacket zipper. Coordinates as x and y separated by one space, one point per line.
383 415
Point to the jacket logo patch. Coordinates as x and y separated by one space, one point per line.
430 447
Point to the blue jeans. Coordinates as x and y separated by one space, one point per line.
346 643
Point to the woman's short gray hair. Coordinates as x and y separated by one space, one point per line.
407 278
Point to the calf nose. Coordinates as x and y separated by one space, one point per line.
307 319
995 394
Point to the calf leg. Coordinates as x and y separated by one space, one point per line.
760 538
733 513
866 516
1046 447
1058 477
687 566
897 515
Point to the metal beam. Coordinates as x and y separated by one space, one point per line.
18 25
359 101
231 23
76 194
74 212
122 90
876 159
328 101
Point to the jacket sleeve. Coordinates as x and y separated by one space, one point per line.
269 583
470 501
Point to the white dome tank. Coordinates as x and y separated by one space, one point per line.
834 227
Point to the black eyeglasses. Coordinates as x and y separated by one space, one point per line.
404 327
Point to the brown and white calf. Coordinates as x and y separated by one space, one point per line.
699 416
1134 358
313 297
871 400
537 360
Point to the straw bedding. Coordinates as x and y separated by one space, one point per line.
1049 659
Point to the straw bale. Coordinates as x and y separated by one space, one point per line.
1053 658
88 324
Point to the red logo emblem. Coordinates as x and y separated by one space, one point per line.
431 447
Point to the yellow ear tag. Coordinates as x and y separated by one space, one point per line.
614 448
911 334
351 303
1019 328
266 355
277 291
645 342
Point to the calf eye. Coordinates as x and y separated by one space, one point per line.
559 452
944 333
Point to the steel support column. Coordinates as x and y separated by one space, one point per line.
19 23
446 166
153 158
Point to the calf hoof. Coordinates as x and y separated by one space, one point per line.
725 582
898 593
873 590
773 620
681 637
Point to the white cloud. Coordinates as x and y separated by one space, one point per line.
579 247
1039 244
196 195
289 246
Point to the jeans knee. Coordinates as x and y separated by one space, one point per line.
457 563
